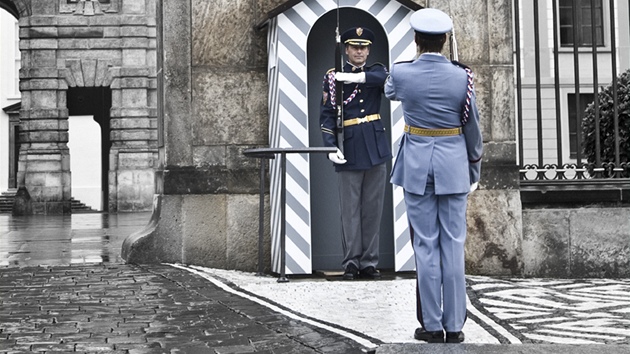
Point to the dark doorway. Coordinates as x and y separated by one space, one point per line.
96 102
325 221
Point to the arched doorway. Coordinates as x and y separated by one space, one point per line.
325 222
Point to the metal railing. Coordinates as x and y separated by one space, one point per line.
270 153
544 77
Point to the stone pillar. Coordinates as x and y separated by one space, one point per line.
484 35
44 158
133 155
213 106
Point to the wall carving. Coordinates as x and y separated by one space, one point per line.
88 7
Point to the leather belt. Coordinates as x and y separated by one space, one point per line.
355 121
432 132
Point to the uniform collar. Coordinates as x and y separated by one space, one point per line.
433 57
353 68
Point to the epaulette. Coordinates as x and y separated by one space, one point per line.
377 63
463 66
330 70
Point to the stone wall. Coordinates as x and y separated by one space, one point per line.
88 45
577 243
214 101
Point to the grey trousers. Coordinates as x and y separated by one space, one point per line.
361 195
438 233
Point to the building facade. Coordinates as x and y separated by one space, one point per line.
87 58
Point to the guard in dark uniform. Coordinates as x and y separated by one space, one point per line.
361 168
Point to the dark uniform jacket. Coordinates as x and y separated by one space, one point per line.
365 144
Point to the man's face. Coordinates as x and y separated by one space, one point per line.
357 54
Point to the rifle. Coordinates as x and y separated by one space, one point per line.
339 85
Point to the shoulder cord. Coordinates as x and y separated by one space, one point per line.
469 92
333 93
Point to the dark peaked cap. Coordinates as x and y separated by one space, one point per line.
357 36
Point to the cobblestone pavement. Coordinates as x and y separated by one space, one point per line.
64 288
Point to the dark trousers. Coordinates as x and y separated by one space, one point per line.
361 195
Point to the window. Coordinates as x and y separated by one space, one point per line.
585 20
575 120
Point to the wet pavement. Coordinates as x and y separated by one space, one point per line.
65 288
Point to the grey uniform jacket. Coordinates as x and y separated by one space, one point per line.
432 91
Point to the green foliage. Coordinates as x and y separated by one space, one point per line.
607 127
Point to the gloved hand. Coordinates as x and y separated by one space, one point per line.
337 157
473 187
356 78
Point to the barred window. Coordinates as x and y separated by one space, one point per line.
584 29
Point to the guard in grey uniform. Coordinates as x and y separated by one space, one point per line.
438 165
361 169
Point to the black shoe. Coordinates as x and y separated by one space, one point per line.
454 337
370 273
430 337
351 272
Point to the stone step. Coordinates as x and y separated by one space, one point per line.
7 198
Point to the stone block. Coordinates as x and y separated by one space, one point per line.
600 242
136 160
105 21
134 98
111 32
471 23
42 84
134 42
206 156
133 7
101 72
546 243
502 110
494 244
242 232
219 37
227 119
126 135
134 31
44 99
40 43
106 43
42 32
133 82
38 21
73 21
134 57
132 123
41 58
81 32
88 67
136 20
205 230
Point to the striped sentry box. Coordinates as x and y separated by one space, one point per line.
288 126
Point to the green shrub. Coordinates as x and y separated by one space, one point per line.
607 127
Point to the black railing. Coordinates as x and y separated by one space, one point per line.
270 153
544 77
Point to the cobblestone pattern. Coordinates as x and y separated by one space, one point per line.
137 309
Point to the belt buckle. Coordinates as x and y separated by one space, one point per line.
362 120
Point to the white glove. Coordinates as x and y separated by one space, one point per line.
356 78
337 157
473 187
